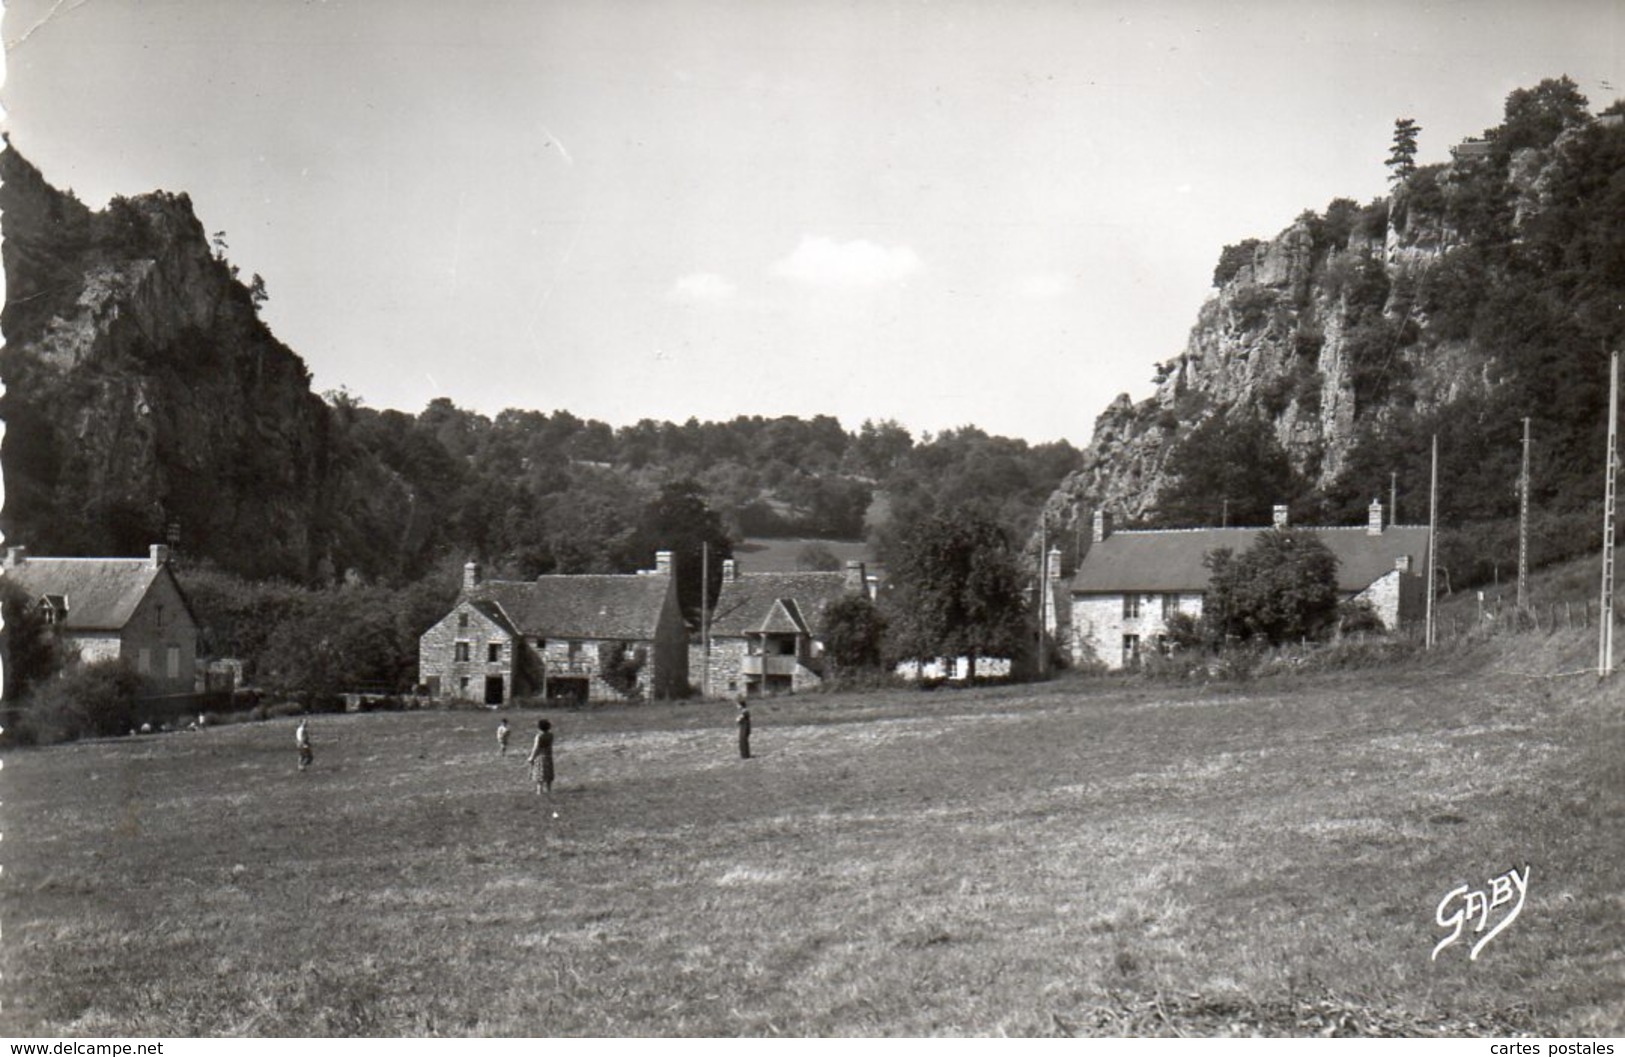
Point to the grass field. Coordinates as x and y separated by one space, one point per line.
1103 857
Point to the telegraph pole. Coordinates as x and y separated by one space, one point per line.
1605 642
705 618
1523 524
1043 588
1433 528
1393 498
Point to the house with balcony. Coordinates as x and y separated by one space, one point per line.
129 609
1131 584
559 638
767 629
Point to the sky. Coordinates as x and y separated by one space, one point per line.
998 214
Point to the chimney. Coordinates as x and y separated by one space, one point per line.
158 555
471 576
1103 526
730 570
1403 563
855 578
1054 568
1373 519
662 563
1279 515
16 556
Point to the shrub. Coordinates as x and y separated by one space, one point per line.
1233 258
619 664
91 700
1358 615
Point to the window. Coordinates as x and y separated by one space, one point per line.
172 663
462 620
1131 607
143 660
574 648
462 685
493 652
160 610
1131 649
461 653
1170 605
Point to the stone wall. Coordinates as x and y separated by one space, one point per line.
1098 625
465 680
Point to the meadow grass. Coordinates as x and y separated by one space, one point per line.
1076 857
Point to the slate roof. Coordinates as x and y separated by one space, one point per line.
749 603
1171 559
101 593
577 607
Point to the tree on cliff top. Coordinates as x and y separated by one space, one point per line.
1402 159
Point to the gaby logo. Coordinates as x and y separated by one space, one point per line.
1463 904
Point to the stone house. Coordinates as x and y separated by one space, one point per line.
115 608
767 629
576 638
1130 584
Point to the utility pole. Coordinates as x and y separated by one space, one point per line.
1043 588
1433 530
1393 498
705 618
1523 524
1605 642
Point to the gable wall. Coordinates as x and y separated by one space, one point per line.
159 625
437 656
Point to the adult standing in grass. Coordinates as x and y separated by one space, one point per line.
744 728
502 737
301 738
541 757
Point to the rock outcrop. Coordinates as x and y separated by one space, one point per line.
145 399
1322 333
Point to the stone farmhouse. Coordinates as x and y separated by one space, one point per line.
767 629
560 638
128 609
1130 584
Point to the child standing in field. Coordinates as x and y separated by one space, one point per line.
744 729
502 737
301 738
541 757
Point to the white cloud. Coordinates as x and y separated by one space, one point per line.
1042 286
820 261
702 287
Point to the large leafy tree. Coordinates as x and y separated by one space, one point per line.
681 521
956 591
31 654
854 633
1227 471
1281 589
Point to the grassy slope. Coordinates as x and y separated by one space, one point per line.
1104 857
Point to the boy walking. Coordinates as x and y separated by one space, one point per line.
744 729
502 737
301 738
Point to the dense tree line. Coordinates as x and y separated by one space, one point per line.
530 492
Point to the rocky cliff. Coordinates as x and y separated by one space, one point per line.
1366 326
145 397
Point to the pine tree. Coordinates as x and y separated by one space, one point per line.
1402 159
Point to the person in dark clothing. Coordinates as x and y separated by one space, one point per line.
541 757
744 729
